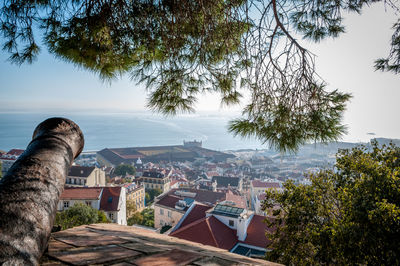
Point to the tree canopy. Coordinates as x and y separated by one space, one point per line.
145 217
349 215
130 207
124 169
151 194
180 49
79 214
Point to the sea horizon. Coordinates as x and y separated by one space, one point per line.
127 129
121 128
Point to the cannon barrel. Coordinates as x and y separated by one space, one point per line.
30 190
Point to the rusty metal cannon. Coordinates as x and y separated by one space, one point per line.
30 190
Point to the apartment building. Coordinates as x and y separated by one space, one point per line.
85 176
111 200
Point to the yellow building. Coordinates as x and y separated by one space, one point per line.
154 180
136 194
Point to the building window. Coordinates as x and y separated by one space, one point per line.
169 214
111 216
66 204
161 222
231 222
88 203
161 212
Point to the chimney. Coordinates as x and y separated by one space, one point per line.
31 188
214 185
243 223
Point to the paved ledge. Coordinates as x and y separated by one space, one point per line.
112 244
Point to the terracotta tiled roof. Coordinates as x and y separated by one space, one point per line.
256 232
81 171
4 158
72 193
168 201
110 198
258 183
208 231
112 244
212 173
239 201
16 152
198 212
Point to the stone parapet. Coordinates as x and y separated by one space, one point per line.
112 244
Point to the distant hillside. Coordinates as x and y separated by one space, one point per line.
333 147
386 141
323 149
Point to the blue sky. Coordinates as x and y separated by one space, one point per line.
346 63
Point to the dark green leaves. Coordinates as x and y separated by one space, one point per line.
79 214
124 169
347 216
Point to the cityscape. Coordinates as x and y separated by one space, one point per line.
199 133
188 191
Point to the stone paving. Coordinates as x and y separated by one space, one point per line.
112 244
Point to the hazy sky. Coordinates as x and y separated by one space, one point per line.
345 63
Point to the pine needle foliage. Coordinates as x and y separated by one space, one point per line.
181 49
392 62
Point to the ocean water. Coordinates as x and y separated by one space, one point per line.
113 130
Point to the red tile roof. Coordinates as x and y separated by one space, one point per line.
256 232
208 231
11 155
110 199
198 212
4 158
212 173
16 152
81 193
239 201
258 183
168 201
